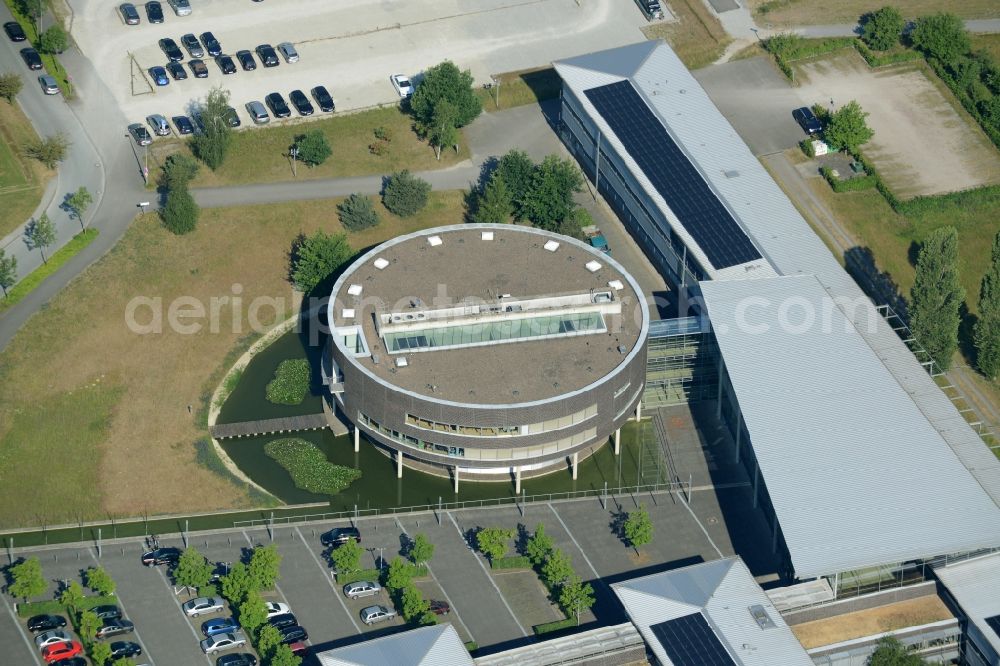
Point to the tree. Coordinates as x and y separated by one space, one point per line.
937 295
399 575
422 550
495 205
573 224
53 40
357 212
40 234
253 612
10 85
89 624
882 28
193 570
638 527
49 151
575 596
550 199
847 128
180 214
346 558
405 194
414 604
492 542
268 641
987 330
283 656
941 36
178 171
539 545
30 8
445 82
27 579
265 566
890 652
100 653
124 661
72 596
100 581
315 258
557 568
8 271
516 169
237 584
313 147
443 131
79 202
211 145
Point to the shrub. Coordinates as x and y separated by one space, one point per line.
180 215
405 194
309 468
49 151
558 625
807 147
291 382
53 40
10 85
313 147
383 134
941 36
357 212
850 185
883 59
882 28
178 171
314 259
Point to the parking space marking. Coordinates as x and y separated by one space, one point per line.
586 559
700 526
121 603
24 636
333 587
194 633
276 586
486 571
451 604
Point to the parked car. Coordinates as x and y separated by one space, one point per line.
46 622
807 120
325 103
31 58
198 68
267 55
161 556
181 7
212 45
258 114
108 611
276 103
276 607
159 75
238 659
339 535
52 637
362 588
299 649
14 31
125 649
226 64
288 52
232 118
115 627
440 607
73 661
283 620
293 634
49 84
402 85
246 60
183 125
171 50
192 45
651 8
219 625
301 103
154 12
129 13
374 614
201 605
176 70
61 651
140 134
159 125
221 642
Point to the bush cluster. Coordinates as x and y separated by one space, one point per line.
788 47
357 212
291 382
309 468
405 194
406 596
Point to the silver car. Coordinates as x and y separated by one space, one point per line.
362 588
52 637
220 642
49 84
181 7
202 605
288 52
374 614
159 124
258 113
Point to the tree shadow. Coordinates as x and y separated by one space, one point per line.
521 537
877 285
405 545
617 525
966 334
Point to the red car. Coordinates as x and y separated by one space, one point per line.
59 651
299 649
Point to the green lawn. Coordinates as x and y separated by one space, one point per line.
22 181
55 262
529 86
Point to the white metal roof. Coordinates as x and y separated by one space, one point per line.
436 645
856 473
975 585
723 592
570 649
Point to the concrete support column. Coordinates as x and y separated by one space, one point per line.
756 475
618 441
456 479
399 464
357 439
576 464
517 480
638 410
774 538
722 373
739 433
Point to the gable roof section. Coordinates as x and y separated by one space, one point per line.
436 645
974 585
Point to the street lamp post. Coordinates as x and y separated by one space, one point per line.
294 153
496 86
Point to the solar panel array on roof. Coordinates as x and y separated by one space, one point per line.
690 641
672 174
994 623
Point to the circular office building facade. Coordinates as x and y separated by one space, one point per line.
486 351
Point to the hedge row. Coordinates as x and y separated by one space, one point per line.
850 185
355 576
558 625
309 468
882 59
967 102
54 607
788 47
512 562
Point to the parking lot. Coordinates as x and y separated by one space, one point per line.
351 46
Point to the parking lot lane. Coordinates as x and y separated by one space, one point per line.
312 601
190 622
17 646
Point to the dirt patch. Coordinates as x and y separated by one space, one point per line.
697 35
923 144
871 622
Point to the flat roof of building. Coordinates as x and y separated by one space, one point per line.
849 461
488 266
974 585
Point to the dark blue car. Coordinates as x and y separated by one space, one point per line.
159 75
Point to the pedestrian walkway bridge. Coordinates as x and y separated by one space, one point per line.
271 426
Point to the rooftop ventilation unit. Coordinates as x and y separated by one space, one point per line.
759 614
381 263
616 285
551 245
434 240
593 266
348 313
487 235
401 362
355 290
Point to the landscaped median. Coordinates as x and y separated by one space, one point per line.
55 262
49 60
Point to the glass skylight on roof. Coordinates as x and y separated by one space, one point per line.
381 263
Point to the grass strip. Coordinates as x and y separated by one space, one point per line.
19 291
558 625
49 61
355 576
56 607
